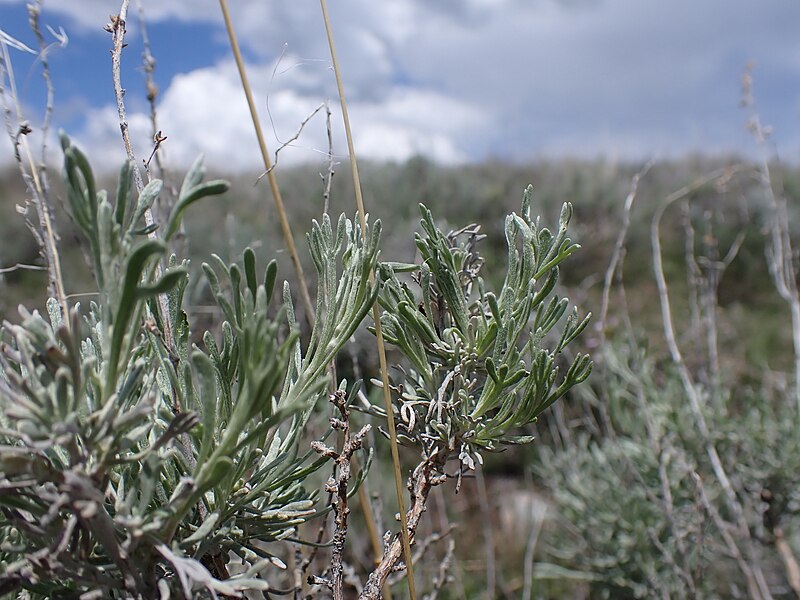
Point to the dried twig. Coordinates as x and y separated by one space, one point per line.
705 273
149 65
619 249
117 30
781 256
442 575
21 267
614 274
695 403
302 564
158 139
425 477
34 14
337 485
421 549
293 139
168 197
444 525
328 180
35 177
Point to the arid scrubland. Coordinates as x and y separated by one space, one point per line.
197 404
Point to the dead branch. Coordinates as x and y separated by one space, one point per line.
21 267
619 249
149 65
427 475
117 29
328 180
442 576
337 485
291 140
35 177
780 251
753 571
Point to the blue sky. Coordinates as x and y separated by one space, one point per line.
455 80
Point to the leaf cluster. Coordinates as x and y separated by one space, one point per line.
481 365
133 464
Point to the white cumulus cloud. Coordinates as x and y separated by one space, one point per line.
204 111
467 79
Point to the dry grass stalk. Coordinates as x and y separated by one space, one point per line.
288 237
405 532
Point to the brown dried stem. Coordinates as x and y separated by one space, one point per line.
117 29
34 14
149 65
337 485
426 476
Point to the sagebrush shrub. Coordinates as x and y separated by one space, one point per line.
136 463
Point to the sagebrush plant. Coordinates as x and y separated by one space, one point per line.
138 466
480 366
640 513
683 480
141 457
130 464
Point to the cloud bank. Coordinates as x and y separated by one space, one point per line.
469 79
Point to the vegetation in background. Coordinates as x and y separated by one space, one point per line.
165 435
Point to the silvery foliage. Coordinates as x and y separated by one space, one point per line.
131 466
482 365
639 509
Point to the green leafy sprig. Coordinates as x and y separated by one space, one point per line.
482 365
